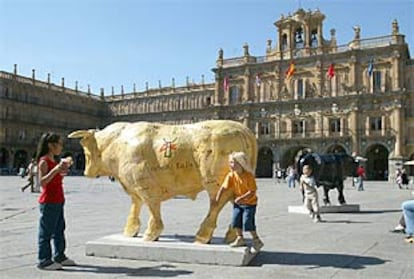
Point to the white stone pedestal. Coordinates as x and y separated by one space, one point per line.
169 250
346 208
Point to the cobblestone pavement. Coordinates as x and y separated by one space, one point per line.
346 245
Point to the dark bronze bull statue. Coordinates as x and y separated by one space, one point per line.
329 171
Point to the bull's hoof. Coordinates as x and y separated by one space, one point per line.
131 232
230 235
204 235
201 240
150 237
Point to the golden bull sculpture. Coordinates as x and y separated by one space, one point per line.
156 162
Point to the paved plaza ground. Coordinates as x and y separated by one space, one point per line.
346 245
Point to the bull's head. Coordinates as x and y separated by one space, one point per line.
93 161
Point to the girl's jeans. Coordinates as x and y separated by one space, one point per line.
51 226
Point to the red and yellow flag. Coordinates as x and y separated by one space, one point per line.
290 71
331 71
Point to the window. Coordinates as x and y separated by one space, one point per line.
264 128
298 127
284 42
376 81
314 38
208 101
234 95
335 125
300 89
375 123
4 91
22 135
299 38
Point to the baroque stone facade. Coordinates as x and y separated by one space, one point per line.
305 93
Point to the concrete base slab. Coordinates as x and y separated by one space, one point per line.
169 249
345 208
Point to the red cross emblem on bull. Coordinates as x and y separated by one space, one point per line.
167 147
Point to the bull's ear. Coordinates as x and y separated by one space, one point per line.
81 134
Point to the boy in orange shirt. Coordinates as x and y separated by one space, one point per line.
240 180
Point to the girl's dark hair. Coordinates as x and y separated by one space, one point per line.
42 147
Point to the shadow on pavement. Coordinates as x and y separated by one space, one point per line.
164 270
376 211
191 238
345 222
316 260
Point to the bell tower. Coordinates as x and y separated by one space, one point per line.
299 35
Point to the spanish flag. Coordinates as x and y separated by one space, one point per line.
331 71
290 71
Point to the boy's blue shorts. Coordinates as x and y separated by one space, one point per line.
244 217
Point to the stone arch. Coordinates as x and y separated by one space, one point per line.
4 158
292 153
377 164
336 148
20 159
264 162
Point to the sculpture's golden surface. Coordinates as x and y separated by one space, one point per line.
155 162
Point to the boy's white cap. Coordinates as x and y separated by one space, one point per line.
241 158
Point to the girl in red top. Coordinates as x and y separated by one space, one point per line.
52 220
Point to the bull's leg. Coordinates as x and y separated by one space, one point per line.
133 223
209 223
326 200
155 225
341 197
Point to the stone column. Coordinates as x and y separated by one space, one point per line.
396 71
277 128
289 127
246 86
318 126
217 90
367 131
398 116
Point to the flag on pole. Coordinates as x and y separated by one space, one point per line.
258 80
290 71
370 69
226 84
331 71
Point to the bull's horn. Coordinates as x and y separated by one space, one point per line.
80 134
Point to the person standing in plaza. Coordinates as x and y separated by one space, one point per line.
404 178
361 177
308 186
33 178
398 178
291 176
51 200
240 180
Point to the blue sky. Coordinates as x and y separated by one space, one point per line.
108 43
